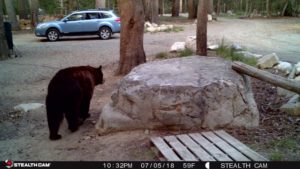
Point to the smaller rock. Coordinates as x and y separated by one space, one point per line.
236 47
170 26
163 27
27 107
268 61
154 25
147 132
297 67
297 78
177 46
284 67
249 54
190 43
151 29
229 12
148 24
209 17
284 92
292 107
213 47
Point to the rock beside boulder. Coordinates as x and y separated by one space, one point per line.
297 69
190 43
284 67
182 93
268 61
177 46
292 107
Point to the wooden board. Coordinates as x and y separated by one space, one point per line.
240 146
205 146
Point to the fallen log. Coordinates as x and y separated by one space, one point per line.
289 84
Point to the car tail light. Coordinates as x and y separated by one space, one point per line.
118 20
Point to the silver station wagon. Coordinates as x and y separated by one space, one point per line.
100 22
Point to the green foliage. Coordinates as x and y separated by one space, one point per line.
161 55
186 52
284 143
230 54
175 29
276 156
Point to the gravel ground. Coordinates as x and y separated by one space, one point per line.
24 136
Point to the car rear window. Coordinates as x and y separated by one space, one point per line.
92 16
105 15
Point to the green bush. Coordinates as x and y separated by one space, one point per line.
186 52
161 55
231 54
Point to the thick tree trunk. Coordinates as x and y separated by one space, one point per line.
202 28
132 35
175 8
12 17
161 7
151 11
284 7
70 6
192 9
100 4
34 12
23 6
218 7
210 7
4 52
268 7
276 80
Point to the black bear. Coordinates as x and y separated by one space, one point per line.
69 94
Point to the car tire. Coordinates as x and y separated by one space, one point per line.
105 33
52 34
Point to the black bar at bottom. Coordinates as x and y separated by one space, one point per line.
148 165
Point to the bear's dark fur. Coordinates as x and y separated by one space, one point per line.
69 94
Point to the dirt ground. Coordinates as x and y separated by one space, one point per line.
24 136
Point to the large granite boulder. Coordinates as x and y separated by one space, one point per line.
182 93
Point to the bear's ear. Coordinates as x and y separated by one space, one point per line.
100 68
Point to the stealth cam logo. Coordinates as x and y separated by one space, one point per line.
9 163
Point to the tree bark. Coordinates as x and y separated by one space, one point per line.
132 35
4 52
268 7
151 11
161 7
34 12
175 8
284 7
192 10
276 80
210 7
202 28
100 4
23 6
218 7
12 17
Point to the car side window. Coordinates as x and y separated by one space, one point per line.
92 16
105 15
77 17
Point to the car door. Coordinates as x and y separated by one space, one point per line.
73 23
91 22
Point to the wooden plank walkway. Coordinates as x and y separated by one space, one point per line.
205 146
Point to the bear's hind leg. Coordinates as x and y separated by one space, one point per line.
85 107
54 123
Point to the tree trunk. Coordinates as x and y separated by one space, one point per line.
4 52
247 8
100 4
202 28
34 8
161 7
192 10
268 7
12 17
284 7
70 5
132 35
23 6
276 80
151 11
210 7
175 8
218 7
